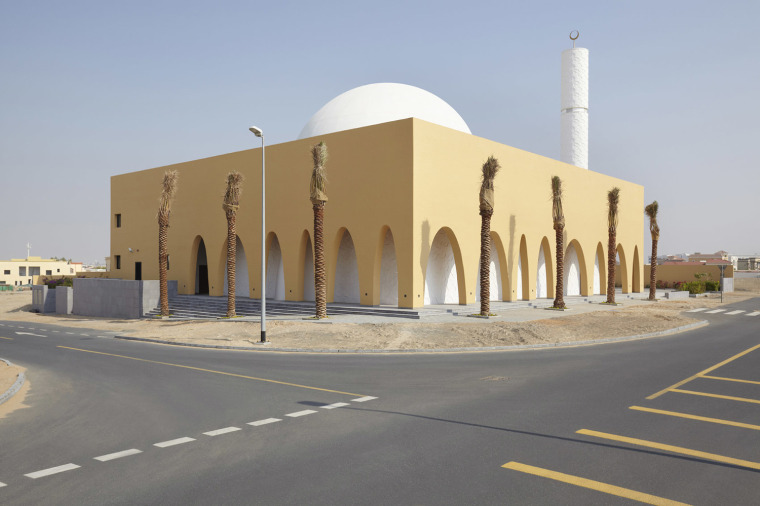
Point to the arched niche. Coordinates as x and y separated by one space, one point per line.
307 256
574 278
199 263
544 271
495 274
275 282
242 288
388 268
621 270
636 281
523 283
443 276
600 271
346 285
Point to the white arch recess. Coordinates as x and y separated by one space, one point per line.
519 277
572 272
441 283
275 272
242 288
346 272
389 272
494 287
597 276
308 272
542 290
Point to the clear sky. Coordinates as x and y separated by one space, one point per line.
90 89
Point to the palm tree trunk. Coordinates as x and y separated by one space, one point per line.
162 260
559 299
231 257
320 281
485 262
611 253
653 271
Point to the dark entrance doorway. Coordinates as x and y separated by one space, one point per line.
138 271
201 271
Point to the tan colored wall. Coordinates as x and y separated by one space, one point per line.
675 273
447 181
409 176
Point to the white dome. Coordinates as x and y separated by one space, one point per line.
381 103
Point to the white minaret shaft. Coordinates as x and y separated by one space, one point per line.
574 107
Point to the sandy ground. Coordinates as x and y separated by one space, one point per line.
636 318
8 375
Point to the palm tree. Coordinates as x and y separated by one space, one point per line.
490 168
613 199
318 200
559 226
230 206
168 189
654 229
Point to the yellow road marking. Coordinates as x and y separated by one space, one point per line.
697 417
212 371
732 379
653 396
674 449
717 396
593 485
8 338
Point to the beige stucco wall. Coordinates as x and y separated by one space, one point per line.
410 177
671 273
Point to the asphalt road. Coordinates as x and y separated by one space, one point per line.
171 425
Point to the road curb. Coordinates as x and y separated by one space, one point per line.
516 347
15 387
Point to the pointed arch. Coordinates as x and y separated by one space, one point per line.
275 274
444 273
600 271
523 271
575 280
621 272
636 281
346 282
498 277
544 271
385 271
306 266
199 266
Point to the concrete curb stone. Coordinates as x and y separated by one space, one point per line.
15 387
516 347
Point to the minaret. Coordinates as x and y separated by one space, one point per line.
574 105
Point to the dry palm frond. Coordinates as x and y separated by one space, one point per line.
613 199
557 214
318 184
490 169
651 211
168 189
232 195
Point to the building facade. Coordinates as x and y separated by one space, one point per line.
23 271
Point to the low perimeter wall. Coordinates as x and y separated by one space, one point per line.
673 273
43 299
117 298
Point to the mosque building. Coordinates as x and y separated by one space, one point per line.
402 223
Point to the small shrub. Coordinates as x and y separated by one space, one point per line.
694 287
712 286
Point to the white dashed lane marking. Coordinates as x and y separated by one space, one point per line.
70 333
716 311
754 313
301 413
363 399
219 432
737 311
85 335
174 442
118 455
52 470
336 405
264 422
1 483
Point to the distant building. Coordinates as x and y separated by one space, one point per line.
18 272
701 257
748 264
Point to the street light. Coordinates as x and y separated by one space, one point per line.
259 133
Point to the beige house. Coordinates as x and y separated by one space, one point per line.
23 271
401 225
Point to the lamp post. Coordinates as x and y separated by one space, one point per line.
259 133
